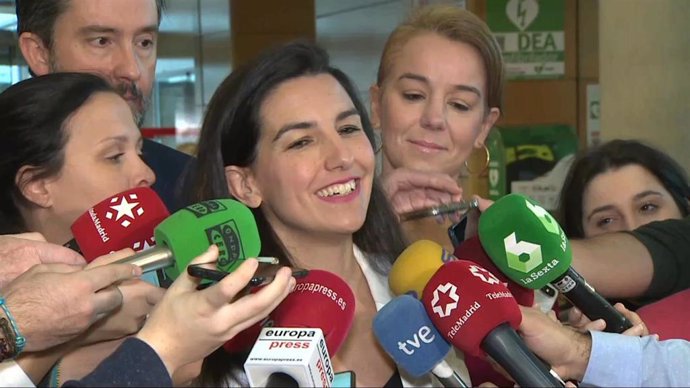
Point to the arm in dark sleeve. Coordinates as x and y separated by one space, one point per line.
668 242
133 364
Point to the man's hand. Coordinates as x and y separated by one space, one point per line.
53 303
566 350
19 252
581 323
409 190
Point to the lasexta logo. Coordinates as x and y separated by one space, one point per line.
447 291
515 249
546 219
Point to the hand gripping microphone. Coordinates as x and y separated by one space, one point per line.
527 245
406 333
189 231
124 220
476 313
415 266
471 250
322 301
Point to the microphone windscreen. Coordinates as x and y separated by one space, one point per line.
406 333
224 222
124 220
320 300
669 316
414 267
524 241
472 250
466 302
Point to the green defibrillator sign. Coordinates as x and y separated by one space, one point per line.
531 35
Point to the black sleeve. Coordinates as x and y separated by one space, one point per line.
668 243
133 364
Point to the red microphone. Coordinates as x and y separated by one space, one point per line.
669 316
320 299
472 250
476 313
125 220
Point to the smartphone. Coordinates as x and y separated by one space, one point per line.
545 297
456 232
448 208
198 271
344 379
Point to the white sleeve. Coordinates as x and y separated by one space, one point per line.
12 375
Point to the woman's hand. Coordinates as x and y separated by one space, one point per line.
187 324
409 190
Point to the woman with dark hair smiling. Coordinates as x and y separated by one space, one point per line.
287 135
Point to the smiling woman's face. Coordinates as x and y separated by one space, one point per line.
315 165
432 106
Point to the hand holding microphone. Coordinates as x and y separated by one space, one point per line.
529 246
187 325
190 231
477 314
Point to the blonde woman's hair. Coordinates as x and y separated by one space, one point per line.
456 24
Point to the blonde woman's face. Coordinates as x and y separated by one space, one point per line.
431 108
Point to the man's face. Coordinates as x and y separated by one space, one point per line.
115 39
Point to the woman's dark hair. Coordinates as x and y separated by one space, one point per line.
613 155
230 133
33 114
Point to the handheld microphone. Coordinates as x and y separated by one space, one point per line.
529 246
289 357
124 220
406 333
476 313
320 300
472 250
414 267
189 231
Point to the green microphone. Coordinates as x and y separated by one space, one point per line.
527 244
188 232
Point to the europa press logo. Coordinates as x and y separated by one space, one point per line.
450 291
125 209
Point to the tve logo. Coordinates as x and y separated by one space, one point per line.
423 335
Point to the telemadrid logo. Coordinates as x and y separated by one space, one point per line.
451 291
483 274
128 207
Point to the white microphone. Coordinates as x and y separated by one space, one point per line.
283 353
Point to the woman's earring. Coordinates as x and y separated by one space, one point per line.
483 168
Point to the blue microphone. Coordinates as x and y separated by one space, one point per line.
406 333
